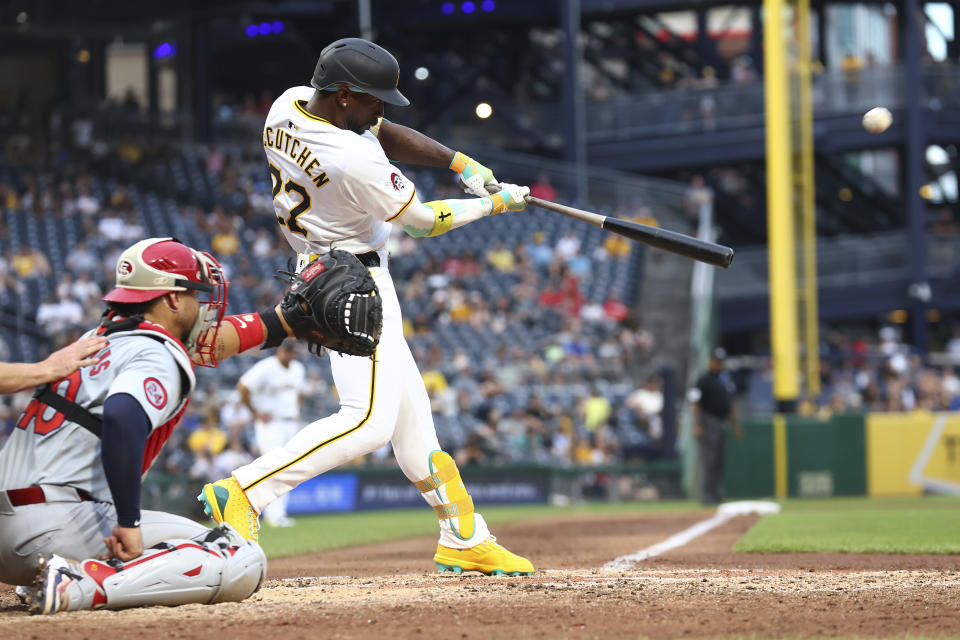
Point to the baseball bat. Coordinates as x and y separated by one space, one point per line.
672 241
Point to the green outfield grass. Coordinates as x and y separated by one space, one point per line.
858 525
333 531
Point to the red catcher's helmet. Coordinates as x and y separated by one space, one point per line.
156 266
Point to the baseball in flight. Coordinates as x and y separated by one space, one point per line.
877 120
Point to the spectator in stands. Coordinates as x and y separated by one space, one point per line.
86 291
539 251
8 198
585 450
30 263
207 439
58 315
568 246
615 309
713 417
225 243
234 456
263 244
236 417
742 72
85 204
501 258
595 410
202 468
698 197
647 404
80 259
543 189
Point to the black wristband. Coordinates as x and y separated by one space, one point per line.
275 330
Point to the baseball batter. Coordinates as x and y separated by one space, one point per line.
70 473
271 390
327 148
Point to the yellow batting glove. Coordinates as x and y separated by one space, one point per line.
511 197
473 175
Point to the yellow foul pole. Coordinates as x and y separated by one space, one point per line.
780 218
808 207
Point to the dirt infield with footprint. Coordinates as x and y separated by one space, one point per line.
700 590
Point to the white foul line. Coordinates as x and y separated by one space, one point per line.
724 513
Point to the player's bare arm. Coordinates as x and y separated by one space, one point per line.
248 330
403 144
17 376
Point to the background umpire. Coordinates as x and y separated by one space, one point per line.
713 415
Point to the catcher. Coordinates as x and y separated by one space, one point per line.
70 517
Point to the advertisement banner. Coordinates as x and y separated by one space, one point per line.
324 494
381 491
909 453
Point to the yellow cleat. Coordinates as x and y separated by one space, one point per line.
487 557
225 502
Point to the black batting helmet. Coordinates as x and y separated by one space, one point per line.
361 64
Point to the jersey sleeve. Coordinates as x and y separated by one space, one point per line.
377 187
153 380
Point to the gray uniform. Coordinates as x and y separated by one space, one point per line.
63 458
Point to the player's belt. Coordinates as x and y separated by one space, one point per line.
36 495
369 259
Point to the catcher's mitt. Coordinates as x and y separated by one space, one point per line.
334 303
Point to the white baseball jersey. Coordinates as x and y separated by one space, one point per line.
45 448
332 188
335 188
274 388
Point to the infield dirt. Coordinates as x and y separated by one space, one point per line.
700 590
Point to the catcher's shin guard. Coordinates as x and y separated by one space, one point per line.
445 491
216 567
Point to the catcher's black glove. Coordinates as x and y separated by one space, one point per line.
334 303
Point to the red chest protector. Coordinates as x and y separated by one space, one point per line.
114 326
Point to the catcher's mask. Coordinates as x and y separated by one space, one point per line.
156 266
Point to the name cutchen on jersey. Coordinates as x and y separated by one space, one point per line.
331 187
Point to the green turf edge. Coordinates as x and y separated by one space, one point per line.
339 530
917 525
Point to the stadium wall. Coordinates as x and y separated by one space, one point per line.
362 488
888 454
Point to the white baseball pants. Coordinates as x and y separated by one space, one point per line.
382 399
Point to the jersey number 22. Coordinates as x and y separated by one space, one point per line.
291 221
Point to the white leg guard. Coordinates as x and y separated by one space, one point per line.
216 567
242 573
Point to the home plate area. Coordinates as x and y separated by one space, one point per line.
698 589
